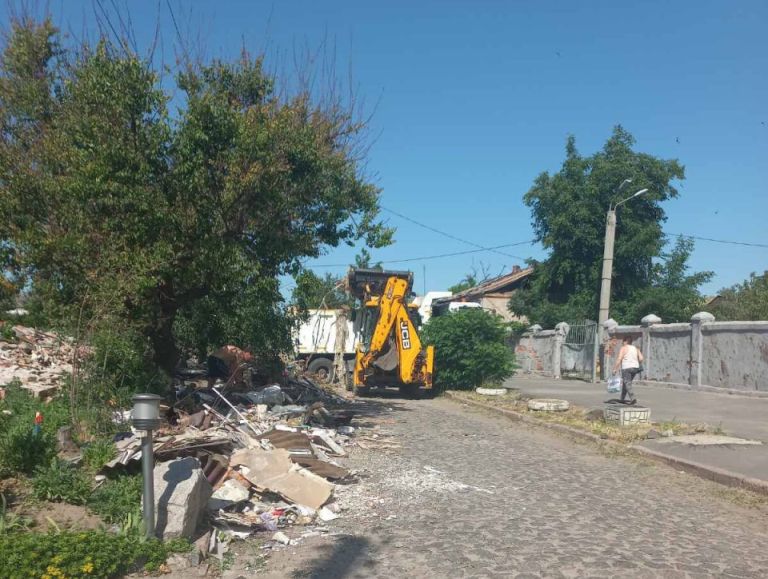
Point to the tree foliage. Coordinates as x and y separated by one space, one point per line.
175 225
470 349
568 210
313 291
744 301
673 294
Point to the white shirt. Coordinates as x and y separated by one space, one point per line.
630 359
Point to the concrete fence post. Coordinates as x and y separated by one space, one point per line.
647 322
561 331
697 346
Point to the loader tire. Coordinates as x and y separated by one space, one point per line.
410 391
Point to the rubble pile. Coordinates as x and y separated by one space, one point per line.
248 461
39 360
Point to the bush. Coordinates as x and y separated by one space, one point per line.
79 554
470 349
118 499
21 450
61 482
98 453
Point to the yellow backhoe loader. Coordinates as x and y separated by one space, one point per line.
389 350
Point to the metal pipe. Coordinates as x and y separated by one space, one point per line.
148 470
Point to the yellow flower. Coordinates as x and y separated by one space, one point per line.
87 568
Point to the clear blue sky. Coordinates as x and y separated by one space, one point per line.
473 99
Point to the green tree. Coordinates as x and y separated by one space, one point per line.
672 295
469 281
568 210
470 349
174 228
744 301
313 291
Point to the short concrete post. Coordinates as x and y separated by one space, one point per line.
647 322
561 331
697 347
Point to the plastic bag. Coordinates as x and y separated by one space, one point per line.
614 384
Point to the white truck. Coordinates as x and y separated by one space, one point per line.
315 342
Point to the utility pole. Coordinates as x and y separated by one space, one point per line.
607 275
605 279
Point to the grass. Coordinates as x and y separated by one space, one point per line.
576 417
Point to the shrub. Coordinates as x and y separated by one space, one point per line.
79 554
61 482
470 349
98 453
118 499
21 450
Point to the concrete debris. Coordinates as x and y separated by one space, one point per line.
41 361
181 497
230 493
240 458
281 538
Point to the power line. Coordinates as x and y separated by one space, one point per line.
745 243
449 235
424 258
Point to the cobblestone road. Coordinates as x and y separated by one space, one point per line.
472 495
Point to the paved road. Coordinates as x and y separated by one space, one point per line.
472 495
739 415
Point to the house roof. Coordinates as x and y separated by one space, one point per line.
497 284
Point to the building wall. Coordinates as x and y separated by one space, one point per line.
499 303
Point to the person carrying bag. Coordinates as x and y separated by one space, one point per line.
630 361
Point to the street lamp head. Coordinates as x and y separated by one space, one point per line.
146 411
640 192
624 183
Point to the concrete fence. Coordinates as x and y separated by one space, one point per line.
703 353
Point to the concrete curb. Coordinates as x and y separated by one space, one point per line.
712 473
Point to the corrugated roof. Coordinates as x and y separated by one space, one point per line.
491 285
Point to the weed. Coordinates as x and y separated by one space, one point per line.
98 453
11 522
22 450
61 482
118 502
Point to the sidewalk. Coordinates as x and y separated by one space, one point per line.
739 416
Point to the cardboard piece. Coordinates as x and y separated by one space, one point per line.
273 470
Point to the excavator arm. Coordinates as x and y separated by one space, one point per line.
394 342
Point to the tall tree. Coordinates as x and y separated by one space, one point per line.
177 225
568 210
673 293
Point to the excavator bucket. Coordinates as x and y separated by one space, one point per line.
364 283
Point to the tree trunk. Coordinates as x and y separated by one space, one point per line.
166 353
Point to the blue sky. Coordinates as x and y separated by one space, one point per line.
471 100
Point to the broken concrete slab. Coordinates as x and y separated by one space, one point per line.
181 497
230 493
274 470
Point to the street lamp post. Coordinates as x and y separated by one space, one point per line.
146 417
607 275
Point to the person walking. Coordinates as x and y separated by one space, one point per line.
629 360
